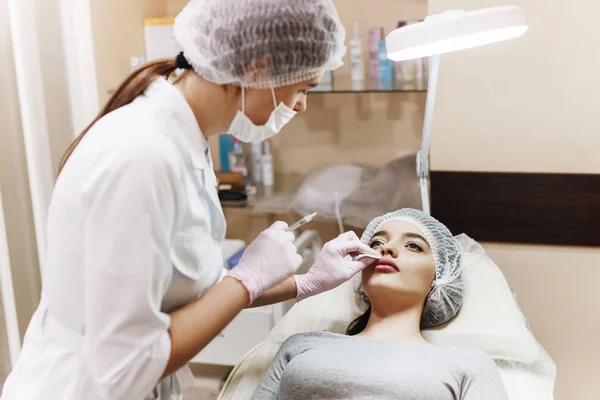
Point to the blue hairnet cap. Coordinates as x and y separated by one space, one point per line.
445 298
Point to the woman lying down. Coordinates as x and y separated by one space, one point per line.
416 284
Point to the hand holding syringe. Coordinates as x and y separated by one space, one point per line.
304 220
307 218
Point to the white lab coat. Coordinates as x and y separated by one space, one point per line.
134 232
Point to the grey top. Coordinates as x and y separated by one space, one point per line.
323 365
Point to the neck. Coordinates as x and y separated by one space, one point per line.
400 324
214 106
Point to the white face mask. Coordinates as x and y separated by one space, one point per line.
247 131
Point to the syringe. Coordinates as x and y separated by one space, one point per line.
304 220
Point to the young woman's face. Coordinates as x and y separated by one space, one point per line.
406 266
259 103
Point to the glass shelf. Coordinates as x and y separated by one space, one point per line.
366 86
276 199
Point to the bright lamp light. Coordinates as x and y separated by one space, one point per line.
455 30
447 32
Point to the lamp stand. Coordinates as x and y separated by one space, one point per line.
423 155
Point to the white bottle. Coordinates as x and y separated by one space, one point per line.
256 154
268 175
237 159
357 62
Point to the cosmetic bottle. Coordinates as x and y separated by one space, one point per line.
268 174
357 64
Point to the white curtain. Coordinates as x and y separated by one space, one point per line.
37 89
4 359
10 338
20 292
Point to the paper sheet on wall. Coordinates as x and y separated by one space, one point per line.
159 39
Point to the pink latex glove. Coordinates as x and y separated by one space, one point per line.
331 269
269 260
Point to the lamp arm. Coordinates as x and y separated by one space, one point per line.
423 155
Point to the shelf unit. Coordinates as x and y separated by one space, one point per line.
344 86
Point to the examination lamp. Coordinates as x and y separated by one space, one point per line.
447 32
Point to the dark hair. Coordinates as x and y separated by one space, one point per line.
133 86
359 324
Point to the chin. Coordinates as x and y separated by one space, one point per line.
380 281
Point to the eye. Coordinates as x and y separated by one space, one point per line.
376 243
412 246
304 92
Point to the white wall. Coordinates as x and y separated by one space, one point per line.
531 105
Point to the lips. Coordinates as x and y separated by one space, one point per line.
386 265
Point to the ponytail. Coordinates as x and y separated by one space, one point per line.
134 85
359 324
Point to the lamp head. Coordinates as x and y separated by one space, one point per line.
455 30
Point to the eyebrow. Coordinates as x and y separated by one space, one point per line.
411 235
379 233
313 85
416 236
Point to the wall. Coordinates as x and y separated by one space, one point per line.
557 290
531 105
532 102
173 7
118 35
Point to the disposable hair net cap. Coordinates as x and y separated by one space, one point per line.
445 298
261 43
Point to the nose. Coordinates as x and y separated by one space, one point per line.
301 105
387 250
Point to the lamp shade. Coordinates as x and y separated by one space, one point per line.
455 30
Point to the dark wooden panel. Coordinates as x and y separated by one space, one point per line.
560 209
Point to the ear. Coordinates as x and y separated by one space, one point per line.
257 70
